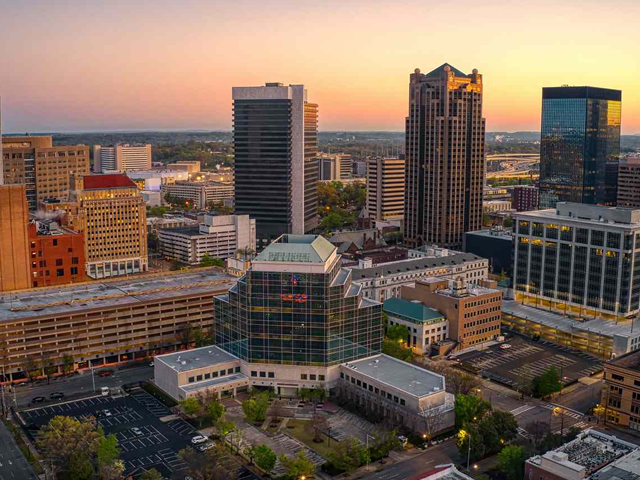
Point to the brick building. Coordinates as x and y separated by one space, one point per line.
525 198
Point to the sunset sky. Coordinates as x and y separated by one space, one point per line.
87 65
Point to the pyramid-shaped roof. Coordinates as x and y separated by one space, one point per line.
438 71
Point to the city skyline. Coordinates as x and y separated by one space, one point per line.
172 67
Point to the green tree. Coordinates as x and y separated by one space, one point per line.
349 454
192 408
255 409
67 363
107 453
214 411
505 424
224 427
263 457
399 333
397 350
204 466
152 474
508 222
470 432
298 465
547 383
209 261
80 467
470 409
383 443
511 462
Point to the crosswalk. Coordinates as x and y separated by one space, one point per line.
520 410
567 412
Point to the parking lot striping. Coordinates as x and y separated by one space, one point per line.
522 409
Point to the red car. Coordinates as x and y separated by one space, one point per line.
105 374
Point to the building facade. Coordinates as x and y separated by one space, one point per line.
57 254
121 158
219 237
385 188
473 310
621 393
334 166
45 170
297 312
525 198
275 135
445 163
426 326
580 135
15 257
579 259
496 245
112 216
629 183
199 194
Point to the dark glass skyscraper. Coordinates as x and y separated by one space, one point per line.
297 306
580 136
276 171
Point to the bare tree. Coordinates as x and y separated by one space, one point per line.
432 422
537 429
457 382
185 335
318 425
277 410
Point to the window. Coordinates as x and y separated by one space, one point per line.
237 370
192 379
341 375
230 371
58 262
254 373
60 272
74 270
364 385
55 242
615 376
389 396
371 388
359 383
395 399
303 376
74 260
271 375
207 376
321 378
223 373
402 402
199 378
263 374
312 376
614 402
376 390
215 374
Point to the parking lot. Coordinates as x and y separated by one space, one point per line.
154 444
526 360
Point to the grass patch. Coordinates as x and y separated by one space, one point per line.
31 458
300 433
159 394
274 429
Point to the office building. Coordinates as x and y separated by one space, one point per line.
496 245
112 217
1 155
494 206
525 198
592 455
190 167
45 170
107 322
473 309
445 164
153 180
621 393
266 318
275 136
384 281
580 135
168 221
121 158
385 189
579 259
220 236
334 166
200 194
426 326
629 183
15 257
57 254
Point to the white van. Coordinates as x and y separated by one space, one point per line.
105 391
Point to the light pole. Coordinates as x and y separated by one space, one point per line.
367 465
469 453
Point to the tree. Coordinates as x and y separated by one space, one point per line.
383 443
151 474
511 462
109 467
537 430
263 457
507 222
47 366
224 427
209 261
349 454
457 382
469 409
432 422
277 410
214 411
318 425
191 407
547 383
298 465
32 368
185 335
79 466
397 350
204 466
399 333
112 471
505 424
470 432
202 337
255 409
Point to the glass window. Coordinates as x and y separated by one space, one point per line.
199 378
192 379
263 374
271 375
303 376
254 373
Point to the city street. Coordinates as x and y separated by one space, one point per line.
77 384
13 465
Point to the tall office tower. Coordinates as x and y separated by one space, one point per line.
43 168
385 188
1 157
275 136
113 218
15 261
629 183
580 135
444 157
267 316
121 158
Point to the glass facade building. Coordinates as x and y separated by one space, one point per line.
580 137
297 306
580 255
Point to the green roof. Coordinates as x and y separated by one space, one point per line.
438 71
297 249
412 310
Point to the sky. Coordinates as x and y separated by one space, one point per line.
103 65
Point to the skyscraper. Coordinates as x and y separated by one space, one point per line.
444 157
580 136
385 188
275 135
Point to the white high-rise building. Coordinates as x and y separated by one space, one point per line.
121 158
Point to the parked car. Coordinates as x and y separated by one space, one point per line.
505 346
205 446
137 432
56 396
107 412
104 391
38 400
106 373
198 439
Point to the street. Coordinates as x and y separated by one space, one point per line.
76 384
13 465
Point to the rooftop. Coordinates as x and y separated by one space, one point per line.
408 378
64 300
99 182
441 472
460 288
297 249
494 233
214 382
629 361
412 265
438 71
414 310
197 358
595 215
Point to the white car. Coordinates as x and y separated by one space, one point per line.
198 439
505 346
205 446
136 431
107 413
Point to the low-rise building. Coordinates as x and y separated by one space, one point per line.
592 455
492 206
495 244
621 395
57 254
473 309
441 472
168 221
201 193
219 237
384 281
190 167
525 198
426 325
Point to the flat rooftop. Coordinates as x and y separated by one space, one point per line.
236 377
64 300
593 215
408 378
188 360
506 235
607 328
297 249
630 361
413 265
